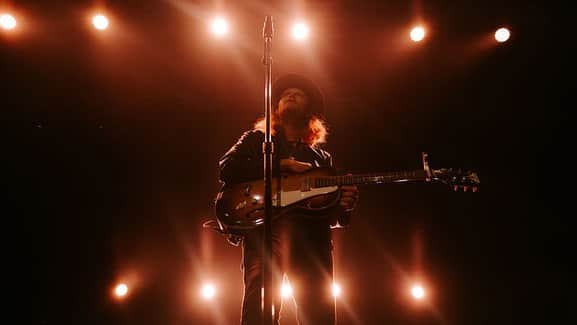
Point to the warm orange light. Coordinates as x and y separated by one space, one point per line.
301 31
100 22
336 290
418 292
417 34
286 290
121 290
502 35
219 26
7 21
208 291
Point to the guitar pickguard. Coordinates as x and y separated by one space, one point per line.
292 197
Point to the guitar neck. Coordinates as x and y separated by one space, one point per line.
380 178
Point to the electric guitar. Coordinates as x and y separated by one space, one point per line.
240 207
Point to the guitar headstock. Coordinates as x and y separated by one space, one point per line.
456 178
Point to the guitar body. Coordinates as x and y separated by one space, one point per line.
240 207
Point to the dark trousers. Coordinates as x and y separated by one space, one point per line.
302 250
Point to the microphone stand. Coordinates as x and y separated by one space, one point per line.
268 149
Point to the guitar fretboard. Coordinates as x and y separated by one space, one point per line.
392 177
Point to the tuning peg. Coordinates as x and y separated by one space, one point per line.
475 189
465 188
455 188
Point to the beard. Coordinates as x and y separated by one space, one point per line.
294 118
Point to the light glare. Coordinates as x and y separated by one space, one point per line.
7 21
502 34
286 290
300 31
208 291
418 292
100 22
336 290
417 34
219 26
121 290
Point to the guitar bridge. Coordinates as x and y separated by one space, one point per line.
426 168
246 190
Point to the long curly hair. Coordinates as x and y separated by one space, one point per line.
315 135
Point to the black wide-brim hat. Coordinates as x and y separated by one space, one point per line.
291 80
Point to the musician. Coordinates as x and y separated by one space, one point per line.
302 245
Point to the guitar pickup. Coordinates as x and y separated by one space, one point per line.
241 205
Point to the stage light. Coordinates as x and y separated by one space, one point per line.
336 290
219 27
418 292
300 31
121 290
502 35
417 34
7 21
286 290
208 291
100 22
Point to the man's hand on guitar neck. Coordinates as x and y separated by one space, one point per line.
294 166
349 197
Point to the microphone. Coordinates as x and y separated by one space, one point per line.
267 30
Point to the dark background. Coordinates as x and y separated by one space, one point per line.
111 142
